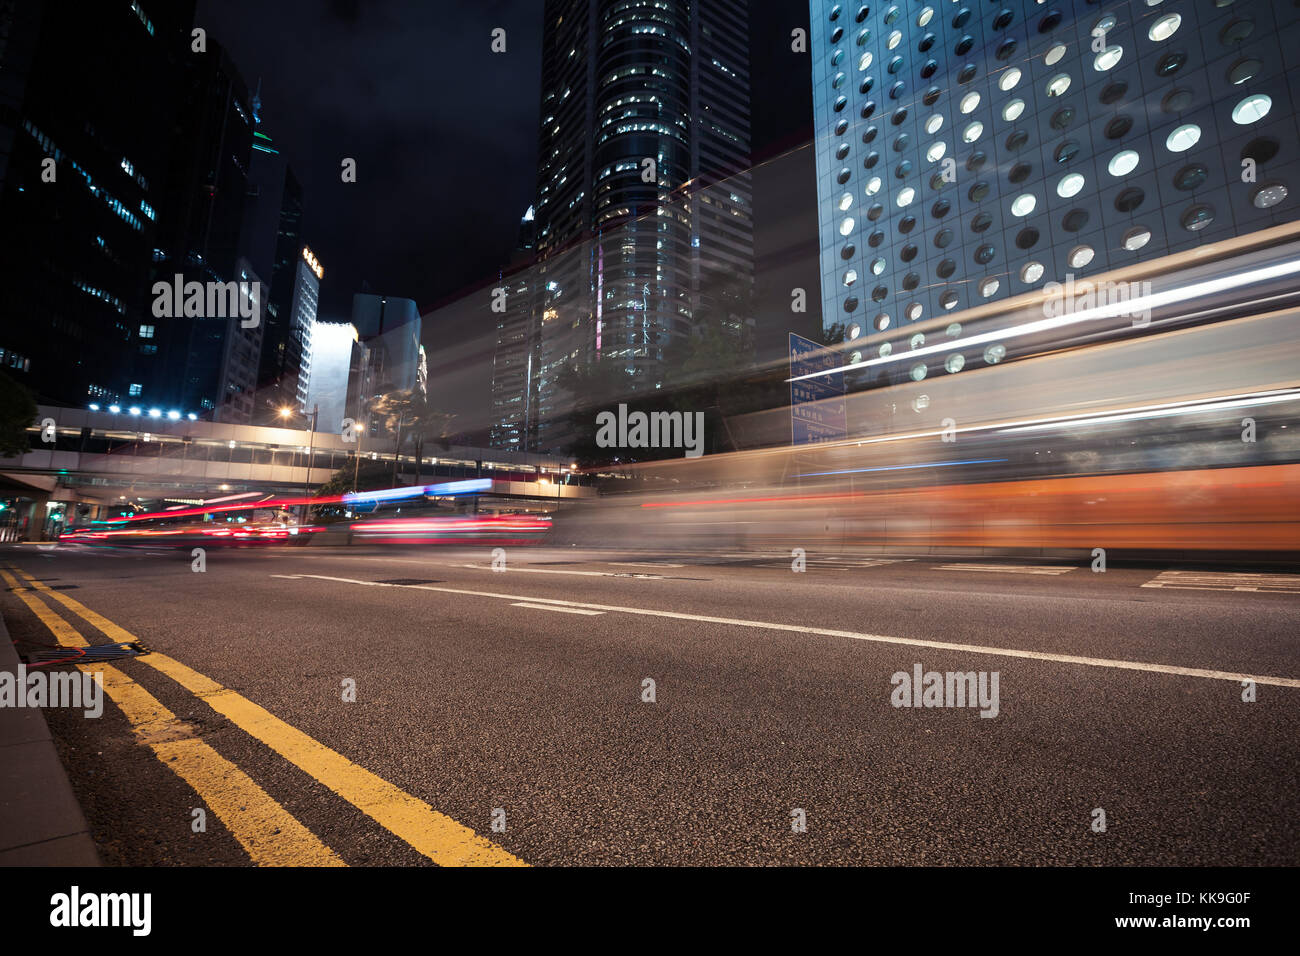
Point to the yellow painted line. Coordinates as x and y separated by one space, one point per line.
268 832
434 834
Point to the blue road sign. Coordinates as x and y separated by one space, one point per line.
817 407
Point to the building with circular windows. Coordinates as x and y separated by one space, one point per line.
982 148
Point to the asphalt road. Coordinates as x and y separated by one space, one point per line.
479 691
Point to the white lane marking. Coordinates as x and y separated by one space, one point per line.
590 574
1226 581
828 632
834 564
643 564
548 607
1007 568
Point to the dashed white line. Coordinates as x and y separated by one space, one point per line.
1171 669
1226 581
590 574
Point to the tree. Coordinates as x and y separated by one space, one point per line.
408 415
17 412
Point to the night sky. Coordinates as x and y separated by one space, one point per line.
445 136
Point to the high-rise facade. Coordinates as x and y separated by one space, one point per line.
970 151
644 208
87 95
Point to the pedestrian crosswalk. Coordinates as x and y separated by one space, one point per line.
1008 568
1226 581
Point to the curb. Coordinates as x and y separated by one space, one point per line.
41 823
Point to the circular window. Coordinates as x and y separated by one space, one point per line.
1054 54
1197 218
1244 70
855 331
875 239
1023 204
1027 238
840 103
967 73
850 303
873 186
842 151
898 116
1031 272
914 311
964 45
897 89
882 322
925 16
1062 118
1129 199
1267 195
917 371
979 192
1261 150
906 225
905 196
875 212
989 288
850 277
1164 27
855 358
848 251
1003 19
1080 256
1009 78
843 176
995 354
976 161
1113 92
895 37
954 363
972 132
1236 31
941 209
864 61
838 81
984 254
877 266
981 222
885 349
869 162
879 293
1066 151
1058 84
931 96
1017 140
935 151
1071 184
1006 49
845 202
1050 22
863 36
943 238
969 102
1011 112
1123 162
1074 220
902 169
945 269
1170 63
1176 101
1107 59
1119 127
869 134
895 64
1252 109
949 299
1019 172
1192 176
932 123
1184 137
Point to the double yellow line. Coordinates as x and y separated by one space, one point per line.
268 832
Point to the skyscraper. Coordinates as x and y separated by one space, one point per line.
971 151
87 94
643 213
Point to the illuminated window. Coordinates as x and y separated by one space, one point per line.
1184 137
1107 59
1023 204
1252 109
1136 238
1069 185
1123 163
1165 27
1009 79
1031 272
972 131
1012 111
969 102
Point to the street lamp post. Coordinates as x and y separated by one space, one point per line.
311 452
